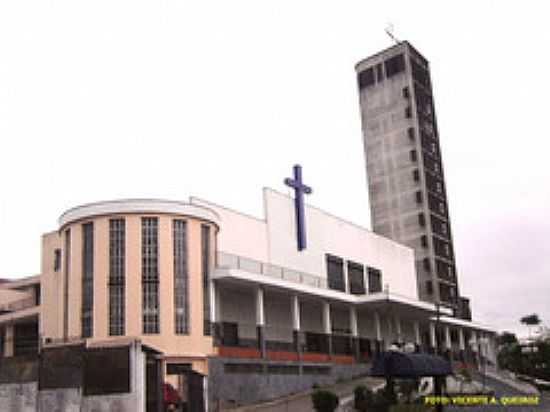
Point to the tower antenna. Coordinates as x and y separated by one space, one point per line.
389 32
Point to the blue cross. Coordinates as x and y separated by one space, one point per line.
299 190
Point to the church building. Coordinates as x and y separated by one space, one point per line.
230 308
230 296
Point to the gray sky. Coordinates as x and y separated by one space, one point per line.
110 99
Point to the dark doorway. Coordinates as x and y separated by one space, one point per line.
153 385
190 386
196 390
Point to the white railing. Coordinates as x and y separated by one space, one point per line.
228 260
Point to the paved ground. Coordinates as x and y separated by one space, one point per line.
302 402
506 391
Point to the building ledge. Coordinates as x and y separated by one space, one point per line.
20 315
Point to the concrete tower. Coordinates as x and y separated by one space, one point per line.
408 199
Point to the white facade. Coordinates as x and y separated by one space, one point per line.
273 240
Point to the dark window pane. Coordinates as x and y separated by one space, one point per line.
379 73
205 251
150 275
57 260
366 78
421 219
181 307
87 280
355 277
395 65
335 273
375 280
117 262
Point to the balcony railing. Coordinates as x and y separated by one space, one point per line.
227 260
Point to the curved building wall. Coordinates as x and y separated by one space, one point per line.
65 288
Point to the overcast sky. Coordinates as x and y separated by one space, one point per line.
111 99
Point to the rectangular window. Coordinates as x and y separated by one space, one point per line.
429 287
150 274
117 280
416 175
410 132
419 197
57 260
355 279
181 308
335 273
424 241
421 219
394 65
375 280
406 93
408 112
379 73
426 264
205 253
413 155
366 78
87 323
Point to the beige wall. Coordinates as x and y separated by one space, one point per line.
191 348
51 308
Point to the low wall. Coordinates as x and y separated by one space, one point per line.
74 379
19 397
54 400
245 381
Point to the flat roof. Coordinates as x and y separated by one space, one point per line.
132 206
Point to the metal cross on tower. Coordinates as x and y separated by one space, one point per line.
299 190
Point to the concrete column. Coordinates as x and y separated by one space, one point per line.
461 343
353 321
354 332
260 310
260 321
215 312
377 326
433 341
378 346
417 339
213 302
296 325
327 326
9 343
398 329
474 341
346 279
448 343
295 308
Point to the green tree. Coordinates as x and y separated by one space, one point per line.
507 338
530 320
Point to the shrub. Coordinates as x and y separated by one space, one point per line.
324 401
362 398
465 374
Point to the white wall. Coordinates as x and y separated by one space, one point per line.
328 234
273 240
239 234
